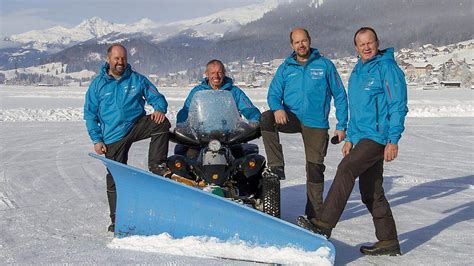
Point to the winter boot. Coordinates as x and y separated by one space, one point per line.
161 170
314 226
384 247
274 172
111 228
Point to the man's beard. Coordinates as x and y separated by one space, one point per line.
118 69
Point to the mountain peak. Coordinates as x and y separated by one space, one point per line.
93 21
96 26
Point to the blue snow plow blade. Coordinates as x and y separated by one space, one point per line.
148 204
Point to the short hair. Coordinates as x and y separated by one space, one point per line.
215 61
305 31
365 29
109 50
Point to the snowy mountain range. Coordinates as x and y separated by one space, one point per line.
61 37
257 31
208 27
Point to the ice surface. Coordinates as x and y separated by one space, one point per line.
53 206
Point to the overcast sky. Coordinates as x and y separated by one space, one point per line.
18 16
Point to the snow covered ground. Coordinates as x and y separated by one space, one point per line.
53 206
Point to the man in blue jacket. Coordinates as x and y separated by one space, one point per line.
115 117
217 80
299 98
378 106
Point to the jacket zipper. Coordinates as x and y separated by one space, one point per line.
376 114
305 96
324 104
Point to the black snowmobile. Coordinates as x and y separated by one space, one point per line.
212 153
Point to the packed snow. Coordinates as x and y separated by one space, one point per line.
57 70
54 209
439 103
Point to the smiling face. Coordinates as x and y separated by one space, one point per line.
117 59
300 42
215 72
366 45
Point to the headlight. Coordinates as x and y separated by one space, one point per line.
214 145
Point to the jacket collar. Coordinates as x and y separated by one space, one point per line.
227 83
104 71
313 56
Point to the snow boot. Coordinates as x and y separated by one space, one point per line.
314 226
274 171
111 228
161 170
384 247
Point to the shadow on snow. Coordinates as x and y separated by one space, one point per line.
294 200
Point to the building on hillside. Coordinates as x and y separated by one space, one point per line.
451 83
417 68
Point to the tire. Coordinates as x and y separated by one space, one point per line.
271 196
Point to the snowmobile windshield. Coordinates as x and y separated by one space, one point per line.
213 115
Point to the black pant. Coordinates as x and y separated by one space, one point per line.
118 151
315 144
366 162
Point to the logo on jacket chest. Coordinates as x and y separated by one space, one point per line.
292 74
369 84
316 73
130 90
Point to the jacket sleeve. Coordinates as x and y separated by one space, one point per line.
396 95
183 113
352 123
153 97
91 113
245 106
350 131
275 92
340 97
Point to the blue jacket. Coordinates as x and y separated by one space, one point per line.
244 105
306 91
113 106
377 100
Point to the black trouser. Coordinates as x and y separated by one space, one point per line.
366 162
118 151
315 144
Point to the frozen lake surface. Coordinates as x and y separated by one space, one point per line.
53 206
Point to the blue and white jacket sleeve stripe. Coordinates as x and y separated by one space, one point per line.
275 92
396 92
153 97
91 110
340 97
